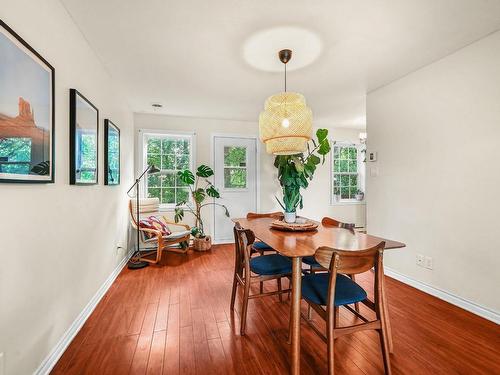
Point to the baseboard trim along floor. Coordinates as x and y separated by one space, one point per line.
445 296
50 361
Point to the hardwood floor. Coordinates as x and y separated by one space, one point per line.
175 319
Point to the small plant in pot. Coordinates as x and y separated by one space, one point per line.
360 195
198 193
296 171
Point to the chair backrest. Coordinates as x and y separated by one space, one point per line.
328 221
146 206
243 240
274 215
351 263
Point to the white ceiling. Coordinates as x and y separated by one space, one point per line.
192 55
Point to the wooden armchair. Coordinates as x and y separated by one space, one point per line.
152 241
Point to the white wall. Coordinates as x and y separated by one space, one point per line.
437 133
316 198
58 242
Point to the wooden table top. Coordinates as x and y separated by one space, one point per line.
295 244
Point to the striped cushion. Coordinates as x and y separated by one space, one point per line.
153 222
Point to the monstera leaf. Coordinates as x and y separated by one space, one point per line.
204 171
212 192
199 195
42 168
186 176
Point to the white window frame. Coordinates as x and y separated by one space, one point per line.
361 173
143 135
224 188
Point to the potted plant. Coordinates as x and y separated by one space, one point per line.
360 195
295 172
198 193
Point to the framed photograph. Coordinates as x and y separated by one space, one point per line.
26 112
83 142
111 153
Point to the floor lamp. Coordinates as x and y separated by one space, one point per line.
134 262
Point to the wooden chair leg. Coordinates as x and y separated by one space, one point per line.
233 293
246 293
309 312
331 343
261 287
279 289
337 317
384 339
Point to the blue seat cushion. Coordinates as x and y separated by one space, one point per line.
273 264
315 289
261 246
310 260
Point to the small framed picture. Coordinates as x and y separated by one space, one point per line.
111 153
26 112
83 146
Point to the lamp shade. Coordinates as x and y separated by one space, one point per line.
285 125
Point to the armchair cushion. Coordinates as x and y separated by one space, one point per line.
153 222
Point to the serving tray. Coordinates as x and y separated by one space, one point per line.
294 227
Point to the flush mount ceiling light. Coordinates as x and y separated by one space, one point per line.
285 125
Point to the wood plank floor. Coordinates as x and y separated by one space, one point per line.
175 319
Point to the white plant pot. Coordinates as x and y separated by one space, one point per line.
290 217
359 197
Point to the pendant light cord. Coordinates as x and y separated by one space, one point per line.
285 77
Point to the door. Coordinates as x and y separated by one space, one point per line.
235 167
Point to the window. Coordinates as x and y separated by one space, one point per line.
235 167
170 153
348 171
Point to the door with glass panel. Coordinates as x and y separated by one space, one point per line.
235 164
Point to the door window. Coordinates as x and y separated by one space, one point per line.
235 167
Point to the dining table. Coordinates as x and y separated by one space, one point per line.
296 245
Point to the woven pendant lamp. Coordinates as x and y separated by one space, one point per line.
285 125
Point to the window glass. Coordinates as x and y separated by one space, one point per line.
235 167
346 171
169 153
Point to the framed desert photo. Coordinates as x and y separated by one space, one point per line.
26 111
111 153
83 146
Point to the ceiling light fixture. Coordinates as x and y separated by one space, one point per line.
285 125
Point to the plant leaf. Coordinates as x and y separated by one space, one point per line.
212 192
199 195
322 134
178 214
41 168
314 160
299 166
186 176
324 148
204 171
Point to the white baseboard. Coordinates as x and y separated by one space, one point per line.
50 361
445 296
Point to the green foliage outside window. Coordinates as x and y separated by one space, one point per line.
170 155
235 163
345 171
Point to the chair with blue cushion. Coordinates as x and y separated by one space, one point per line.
326 292
259 246
249 269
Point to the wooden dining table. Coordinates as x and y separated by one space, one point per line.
297 245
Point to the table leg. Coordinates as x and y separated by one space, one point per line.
387 318
295 314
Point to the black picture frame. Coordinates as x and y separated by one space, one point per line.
78 171
44 171
109 128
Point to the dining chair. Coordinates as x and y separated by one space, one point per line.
264 268
260 246
326 292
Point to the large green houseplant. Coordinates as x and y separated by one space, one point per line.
296 171
200 188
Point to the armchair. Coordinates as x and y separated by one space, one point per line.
151 240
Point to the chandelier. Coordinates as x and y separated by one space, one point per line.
285 125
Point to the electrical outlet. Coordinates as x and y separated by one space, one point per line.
428 263
2 364
420 260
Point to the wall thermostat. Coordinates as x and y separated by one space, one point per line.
372 156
